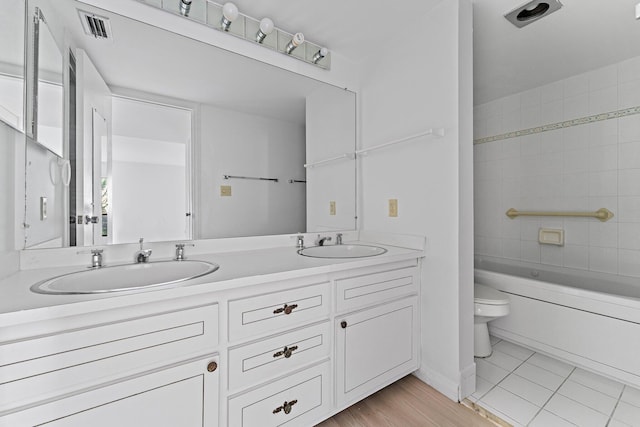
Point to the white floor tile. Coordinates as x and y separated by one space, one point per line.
553 365
575 412
616 423
503 360
489 372
482 387
540 376
494 340
513 350
631 395
627 413
597 382
513 406
588 397
526 389
547 419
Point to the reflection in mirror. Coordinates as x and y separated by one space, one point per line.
241 119
49 92
12 33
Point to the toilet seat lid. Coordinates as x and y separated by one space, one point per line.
484 294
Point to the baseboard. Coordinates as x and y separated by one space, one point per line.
467 381
438 381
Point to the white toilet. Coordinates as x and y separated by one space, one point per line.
488 304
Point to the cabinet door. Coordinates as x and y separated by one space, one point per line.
183 395
375 347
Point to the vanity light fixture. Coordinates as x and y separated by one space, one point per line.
319 55
185 7
296 40
229 14
266 28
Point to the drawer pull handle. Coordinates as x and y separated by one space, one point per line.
286 352
286 407
212 366
287 309
343 324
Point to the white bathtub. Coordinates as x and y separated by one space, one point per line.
587 319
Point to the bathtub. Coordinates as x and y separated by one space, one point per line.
587 319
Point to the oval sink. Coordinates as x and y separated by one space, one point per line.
342 251
124 277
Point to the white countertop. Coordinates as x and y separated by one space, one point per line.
18 304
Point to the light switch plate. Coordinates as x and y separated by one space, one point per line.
225 191
332 207
43 208
393 207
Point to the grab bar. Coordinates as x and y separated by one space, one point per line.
250 177
602 214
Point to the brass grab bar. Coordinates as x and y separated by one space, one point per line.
602 214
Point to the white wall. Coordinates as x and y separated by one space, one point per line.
234 143
580 166
411 85
9 177
331 132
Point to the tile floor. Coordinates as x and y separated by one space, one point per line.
526 388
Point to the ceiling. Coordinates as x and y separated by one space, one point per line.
584 35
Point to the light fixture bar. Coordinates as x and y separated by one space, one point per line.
229 19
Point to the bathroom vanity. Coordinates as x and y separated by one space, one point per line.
270 338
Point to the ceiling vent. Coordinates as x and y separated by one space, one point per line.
95 25
532 11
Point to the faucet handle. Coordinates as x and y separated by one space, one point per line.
180 251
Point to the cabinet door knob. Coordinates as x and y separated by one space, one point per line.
212 366
343 324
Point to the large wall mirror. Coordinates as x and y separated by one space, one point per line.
12 30
170 138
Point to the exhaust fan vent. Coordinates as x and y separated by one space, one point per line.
96 26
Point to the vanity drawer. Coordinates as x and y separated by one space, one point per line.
39 368
307 393
256 362
279 310
370 289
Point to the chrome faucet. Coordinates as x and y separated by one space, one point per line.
142 255
300 242
180 251
338 238
96 258
320 240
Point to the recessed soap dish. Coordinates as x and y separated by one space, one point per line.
551 236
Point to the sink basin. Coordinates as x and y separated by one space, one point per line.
342 251
125 277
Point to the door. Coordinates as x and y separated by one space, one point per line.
375 347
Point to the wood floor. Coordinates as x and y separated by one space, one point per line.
407 403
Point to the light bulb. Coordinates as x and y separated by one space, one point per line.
320 54
230 11
296 40
229 14
266 28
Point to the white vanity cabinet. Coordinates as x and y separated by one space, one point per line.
379 344
287 350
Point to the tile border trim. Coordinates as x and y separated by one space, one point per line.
561 125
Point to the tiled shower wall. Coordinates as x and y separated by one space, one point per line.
585 161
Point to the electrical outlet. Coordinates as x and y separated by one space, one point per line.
225 191
332 207
393 207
